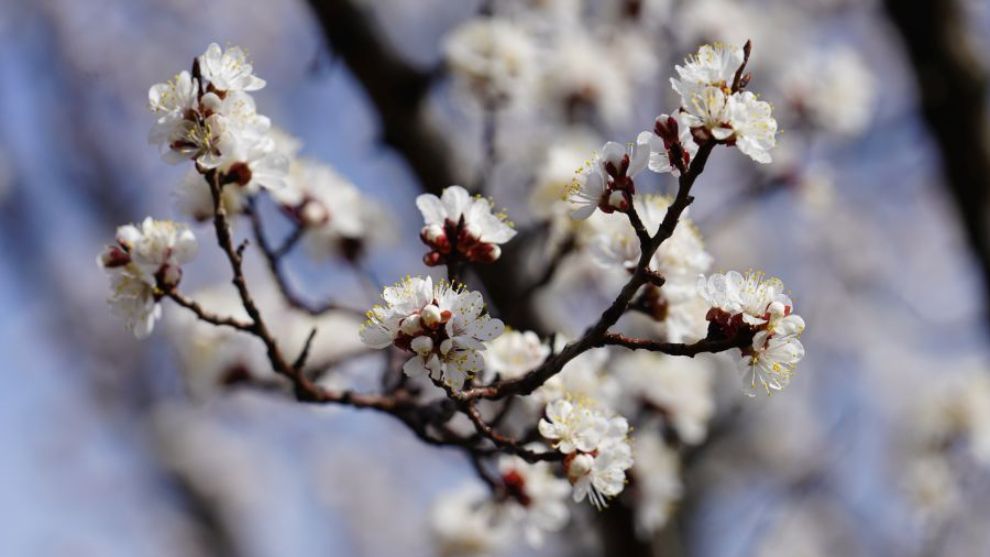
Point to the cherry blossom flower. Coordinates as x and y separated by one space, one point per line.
596 447
457 223
757 306
515 353
658 483
492 58
228 70
142 261
213 121
714 110
336 216
536 498
713 66
444 326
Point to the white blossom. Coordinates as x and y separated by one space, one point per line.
679 388
214 122
458 222
444 326
493 58
537 499
142 260
713 66
753 125
596 446
758 305
515 353
336 217
713 108
771 362
228 70
658 483
466 522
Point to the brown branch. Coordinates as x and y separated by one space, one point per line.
304 353
273 258
596 333
208 316
707 346
504 442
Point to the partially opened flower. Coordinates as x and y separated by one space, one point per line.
459 225
608 182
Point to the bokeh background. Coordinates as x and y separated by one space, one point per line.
877 225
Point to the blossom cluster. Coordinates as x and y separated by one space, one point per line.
144 261
714 108
596 446
208 116
753 306
443 325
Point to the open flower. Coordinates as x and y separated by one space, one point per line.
596 447
141 262
713 66
457 223
753 306
444 326
493 59
208 117
516 353
228 70
714 108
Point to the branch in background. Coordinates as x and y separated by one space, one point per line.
273 257
952 84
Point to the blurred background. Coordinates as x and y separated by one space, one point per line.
874 213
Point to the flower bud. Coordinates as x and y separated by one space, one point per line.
411 325
422 345
433 235
169 275
113 257
617 200
579 467
313 213
431 316
484 253
433 258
